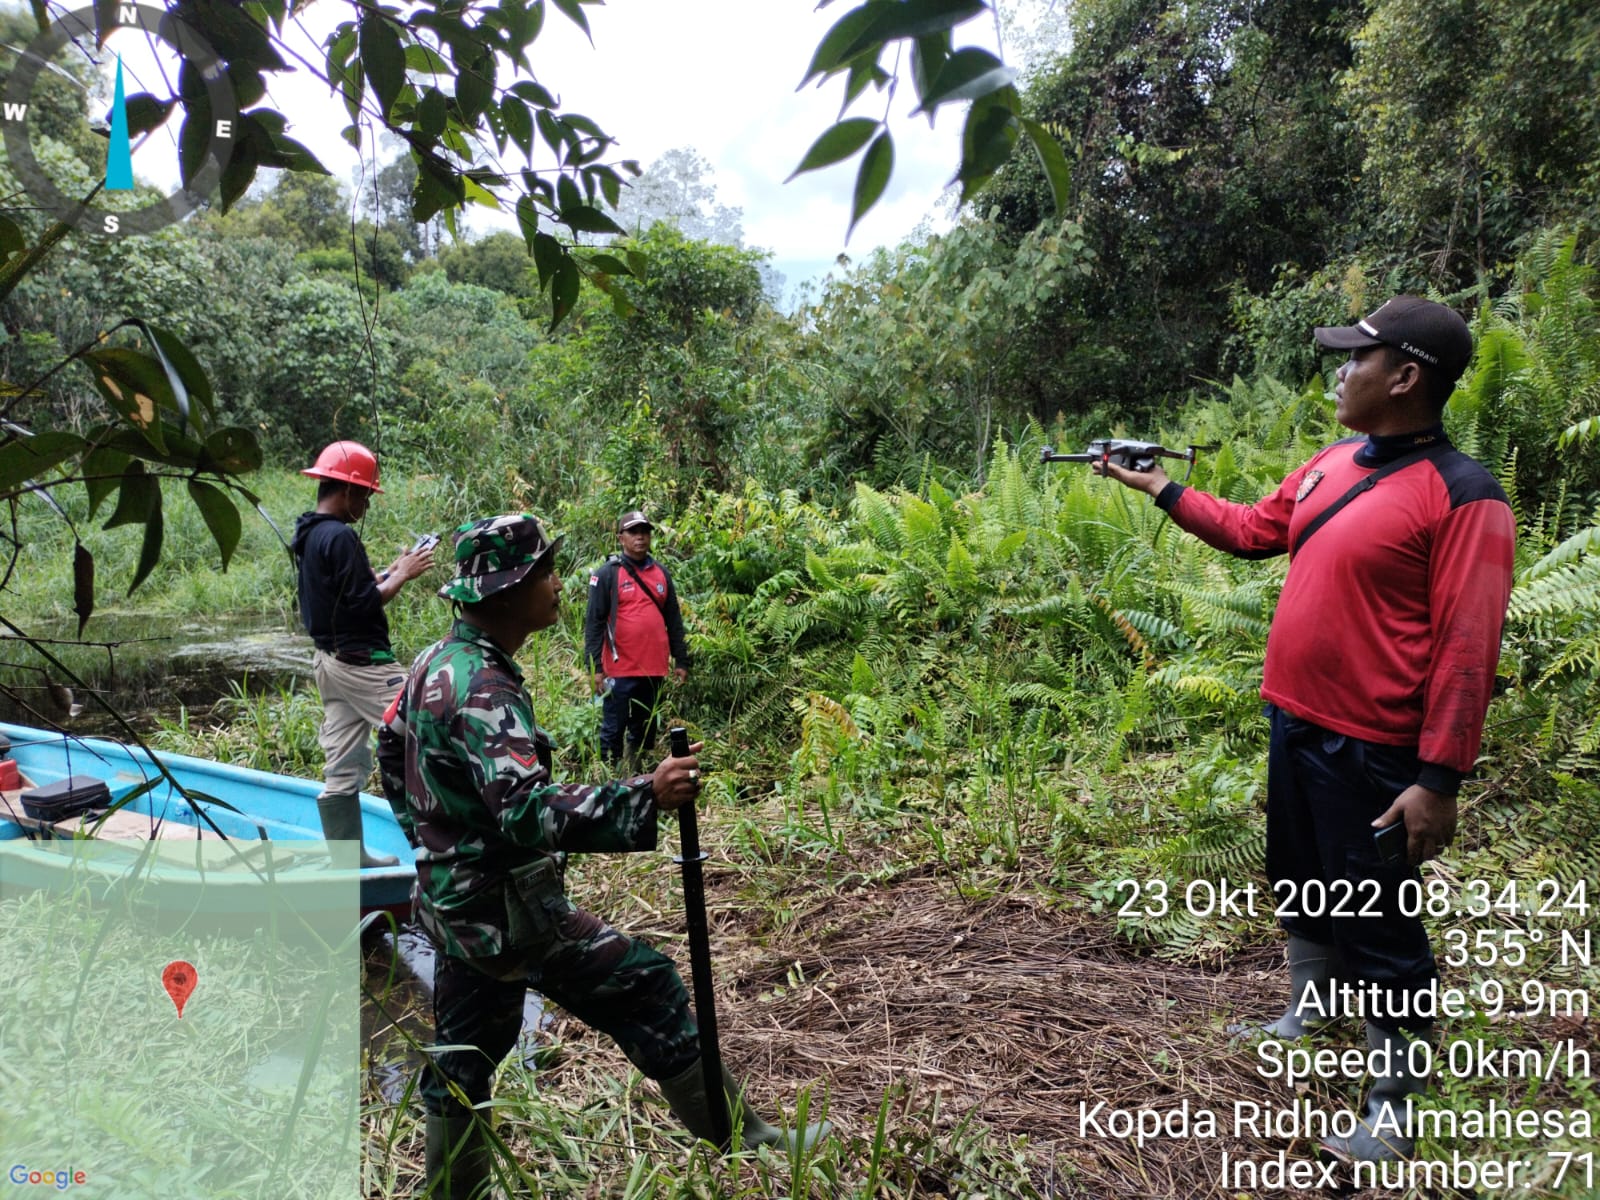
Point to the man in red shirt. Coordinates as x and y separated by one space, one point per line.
630 628
1379 668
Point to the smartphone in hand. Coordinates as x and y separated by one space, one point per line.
425 541
1391 843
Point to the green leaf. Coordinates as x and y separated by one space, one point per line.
585 218
928 56
138 495
135 386
966 75
145 112
836 144
1053 161
877 164
383 59
290 155
610 264
878 22
82 584
233 451
986 139
527 220
523 23
478 194
621 305
248 84
185 376
150 548
519 123
863 74
567 194
26 458
438 189
194 139
564 292
175 381
221 517
102 474
433 111
576 15
548 256
341 48
847 33
915 18
231 33
475 82
350 89
552 133
426 60
533 93
240 172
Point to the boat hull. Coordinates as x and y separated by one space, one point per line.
225 804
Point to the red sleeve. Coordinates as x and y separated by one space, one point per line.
1469 584
1259 530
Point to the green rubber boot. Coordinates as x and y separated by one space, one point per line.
685 1094
1384 1131
341 822
1314 973
458 1159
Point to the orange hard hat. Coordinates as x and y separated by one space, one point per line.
348 462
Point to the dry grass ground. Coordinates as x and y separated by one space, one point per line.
976 1027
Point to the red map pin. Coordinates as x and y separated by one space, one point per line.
179 979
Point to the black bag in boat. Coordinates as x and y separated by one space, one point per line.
66 798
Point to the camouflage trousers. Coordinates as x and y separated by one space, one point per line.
619 985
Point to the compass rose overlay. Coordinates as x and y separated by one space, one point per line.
222 118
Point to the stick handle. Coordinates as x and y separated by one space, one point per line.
691 859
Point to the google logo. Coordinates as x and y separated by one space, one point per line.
60 1180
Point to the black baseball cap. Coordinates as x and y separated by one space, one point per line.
633 520
1427 331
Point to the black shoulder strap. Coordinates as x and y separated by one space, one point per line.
660 605
1437 450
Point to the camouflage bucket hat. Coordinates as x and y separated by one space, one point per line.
496 553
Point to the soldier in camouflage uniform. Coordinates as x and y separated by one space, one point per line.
464 760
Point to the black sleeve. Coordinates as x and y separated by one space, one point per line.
598 613
675 639
352 571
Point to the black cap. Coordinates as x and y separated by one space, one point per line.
633 520
1428 332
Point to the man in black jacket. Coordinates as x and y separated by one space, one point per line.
341 607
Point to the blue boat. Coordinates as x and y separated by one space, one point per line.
255 807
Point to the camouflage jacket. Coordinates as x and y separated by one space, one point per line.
461 747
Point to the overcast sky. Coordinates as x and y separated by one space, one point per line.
720 77
717 76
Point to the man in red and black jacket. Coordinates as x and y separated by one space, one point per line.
1379 668
630 628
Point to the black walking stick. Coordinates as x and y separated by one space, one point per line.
694 902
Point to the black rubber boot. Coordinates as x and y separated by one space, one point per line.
1314 973
458 1159
685 1094
341 822
1384 1133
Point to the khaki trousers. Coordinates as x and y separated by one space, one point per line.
353 702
